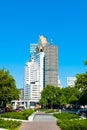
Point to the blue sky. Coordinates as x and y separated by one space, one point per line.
64 21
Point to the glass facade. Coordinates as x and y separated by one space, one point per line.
51 68
42 69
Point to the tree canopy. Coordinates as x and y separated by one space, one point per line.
48 96
8 90
52 97
81 82
81 85
85 62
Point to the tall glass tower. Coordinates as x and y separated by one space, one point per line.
34 78
32 50
51 68
41 70
51 61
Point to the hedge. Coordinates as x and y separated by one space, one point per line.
68 121
65 115
9 124
73 124
18 115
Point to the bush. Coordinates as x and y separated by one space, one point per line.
70 122
18 115
9 124
51 111
65 115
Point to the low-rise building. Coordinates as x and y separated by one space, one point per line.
71 81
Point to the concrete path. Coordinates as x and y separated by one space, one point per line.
41 121
42 117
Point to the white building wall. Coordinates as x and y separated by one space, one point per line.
41 71
35 92
33 81
39 59
27 80
71 81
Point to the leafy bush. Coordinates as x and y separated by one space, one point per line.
65 115
72 124
51 111
18 115
9 124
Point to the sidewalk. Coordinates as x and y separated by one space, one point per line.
41 121
39 126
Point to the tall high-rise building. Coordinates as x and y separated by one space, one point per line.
41 70
51 61
32 50
51 68
27 79
34 78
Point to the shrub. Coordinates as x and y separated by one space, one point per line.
18 115
51 111
9 124
65 115
70 122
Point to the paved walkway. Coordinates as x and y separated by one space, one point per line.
41 121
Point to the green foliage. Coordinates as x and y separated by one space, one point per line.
72 94
85 62
62 100
70 122
9 124
51 111
81 85
83 97
48 96
53 96
18 115
8 90
81 82
66 116
73 99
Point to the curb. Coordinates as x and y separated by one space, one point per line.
31 118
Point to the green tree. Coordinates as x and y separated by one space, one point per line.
81 82
73 99
52 97
8 90
83 97
70 92
81 85
62 100
48 96
85 62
